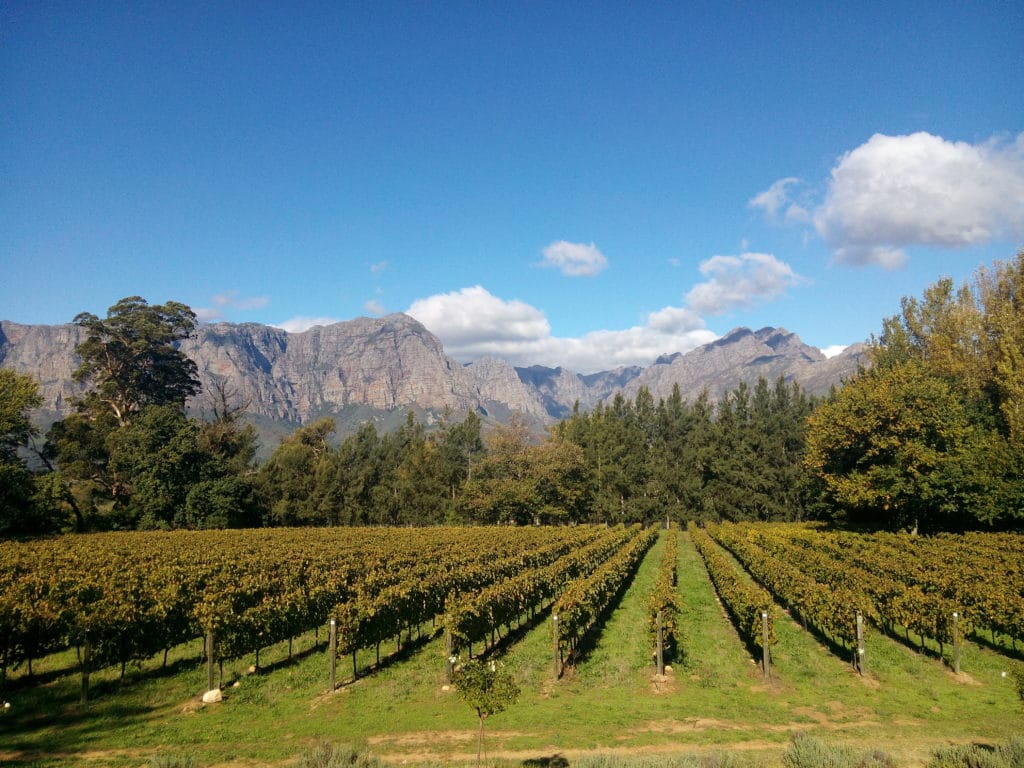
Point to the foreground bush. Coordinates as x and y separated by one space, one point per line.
327 755
1010 755
808 752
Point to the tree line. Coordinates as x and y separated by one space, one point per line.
930 434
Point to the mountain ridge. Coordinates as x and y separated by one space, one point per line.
391 363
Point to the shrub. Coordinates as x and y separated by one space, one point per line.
326 755
173 761
1010 755
808 752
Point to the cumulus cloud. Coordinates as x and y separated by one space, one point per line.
574 259
300 324
374 307
378 267
472 323
896 192
467 316
740 282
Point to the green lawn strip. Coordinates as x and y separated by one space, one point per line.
714 656
272 715
923 693
622 655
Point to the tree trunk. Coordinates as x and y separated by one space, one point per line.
480 740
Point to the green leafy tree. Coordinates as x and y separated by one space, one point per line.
222 502
120 474
938 421
19 394
346 487
893 447
459 446
488 689
130 358
560 482
156 460
502 489
288 481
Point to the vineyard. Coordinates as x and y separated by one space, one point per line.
723 624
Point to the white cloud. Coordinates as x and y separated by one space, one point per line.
778 204
232 300
226 301
473 323
300 324
574 259
775 198
674 320
379 267
895 192
208 314
740 282
472 314
374 307
833 350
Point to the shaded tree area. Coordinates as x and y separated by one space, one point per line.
404 477
931 436
20 511
739 459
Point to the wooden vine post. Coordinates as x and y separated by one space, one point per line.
449 655
557 654
209 659
956 642
661 645
859 660
86 653
766 662
333 644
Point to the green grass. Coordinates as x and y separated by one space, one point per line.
712 707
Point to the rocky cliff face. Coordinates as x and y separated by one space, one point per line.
47 353
394 362
745 355
500 389
384 363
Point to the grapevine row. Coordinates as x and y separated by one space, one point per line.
899 589
903 585
471 617
663 604
745 601
830 607
586 598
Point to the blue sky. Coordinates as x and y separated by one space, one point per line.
587 184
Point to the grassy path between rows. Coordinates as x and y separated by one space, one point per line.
713 702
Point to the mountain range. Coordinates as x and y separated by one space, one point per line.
382 367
